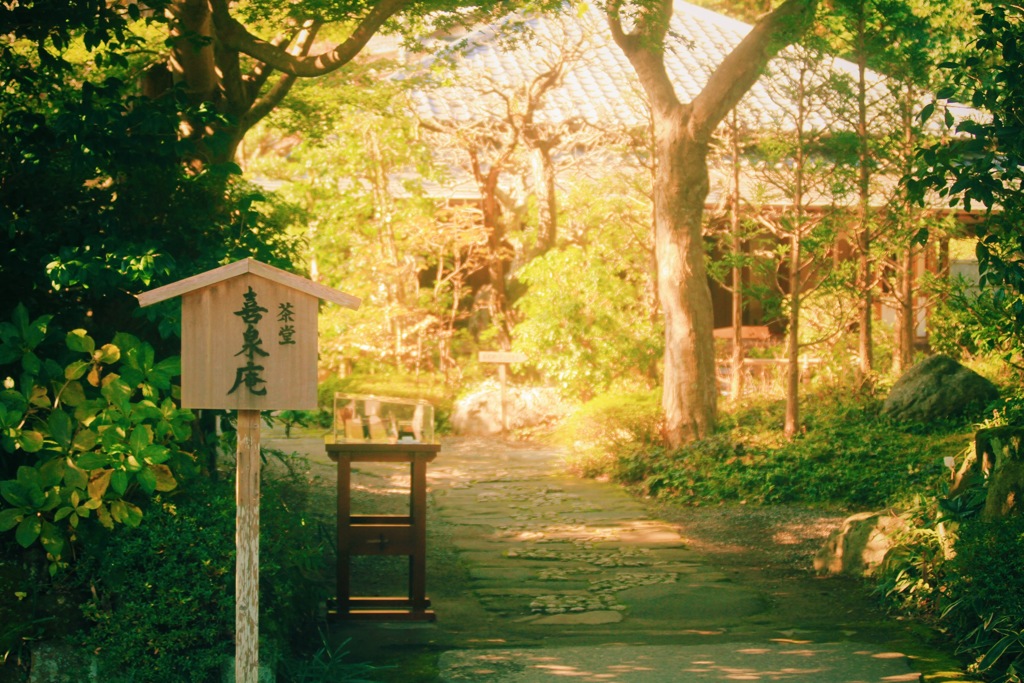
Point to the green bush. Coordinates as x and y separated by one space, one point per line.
986 592
163 605
87 433
609 428
848 456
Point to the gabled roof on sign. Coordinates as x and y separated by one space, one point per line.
600 87
248 265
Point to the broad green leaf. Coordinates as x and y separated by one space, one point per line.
92 461
85 412
145 410
10 517
133 515
156 454
74 476
165 480
139 439
119 482
98 483
62 513
118 510
85 440
997 651
107 354
52 539
147 480
77 369
52 473
31 363
28 530
59 424
16 494
39 397
78 340
30 441
73 394
115 389
103 514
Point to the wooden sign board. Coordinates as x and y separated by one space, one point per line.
249 344
501 357
248 337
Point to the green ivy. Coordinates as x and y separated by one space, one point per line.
83 437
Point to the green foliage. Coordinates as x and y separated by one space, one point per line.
96 203
83 435
589 337
329 663
982 164
600 432
848 456
986 594
164 598
163 604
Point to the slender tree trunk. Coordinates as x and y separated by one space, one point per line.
905 332
736 365
547 204
792 421
864 265
496 259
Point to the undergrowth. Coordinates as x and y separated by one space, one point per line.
848 455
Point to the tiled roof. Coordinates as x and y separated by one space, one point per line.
601 86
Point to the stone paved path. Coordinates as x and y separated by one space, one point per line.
538 577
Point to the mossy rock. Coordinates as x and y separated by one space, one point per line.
938 388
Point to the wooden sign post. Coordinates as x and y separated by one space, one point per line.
248 343
502 358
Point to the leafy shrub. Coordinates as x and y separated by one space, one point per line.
848 456
85 435
986 593
164 597
589 337
602 431
163 593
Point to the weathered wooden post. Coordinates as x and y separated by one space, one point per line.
248 343
502 358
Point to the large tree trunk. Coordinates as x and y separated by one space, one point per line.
681 136
690 389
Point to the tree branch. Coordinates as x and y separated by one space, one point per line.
743 66
266 103
644 47
234 35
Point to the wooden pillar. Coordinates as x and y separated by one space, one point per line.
247 546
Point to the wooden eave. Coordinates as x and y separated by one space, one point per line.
254 267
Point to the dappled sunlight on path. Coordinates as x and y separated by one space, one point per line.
539 576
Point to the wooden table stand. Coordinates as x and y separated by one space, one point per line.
383 534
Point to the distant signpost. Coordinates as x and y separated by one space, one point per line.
248 343
502 358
